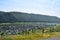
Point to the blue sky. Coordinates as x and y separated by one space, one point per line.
46 7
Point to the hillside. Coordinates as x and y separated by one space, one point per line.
25 17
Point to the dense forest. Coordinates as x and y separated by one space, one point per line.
26 17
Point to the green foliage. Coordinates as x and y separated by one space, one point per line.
25 17
1 33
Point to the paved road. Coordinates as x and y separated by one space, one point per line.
56 38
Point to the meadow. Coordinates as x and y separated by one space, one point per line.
33 31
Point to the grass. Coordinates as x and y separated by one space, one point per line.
24 37
37 36
33 36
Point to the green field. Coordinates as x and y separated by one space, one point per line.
32 34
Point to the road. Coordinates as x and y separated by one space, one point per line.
55 38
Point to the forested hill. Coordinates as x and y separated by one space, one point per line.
25 17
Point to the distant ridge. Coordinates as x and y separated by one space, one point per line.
25 17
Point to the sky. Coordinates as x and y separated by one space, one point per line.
45 7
